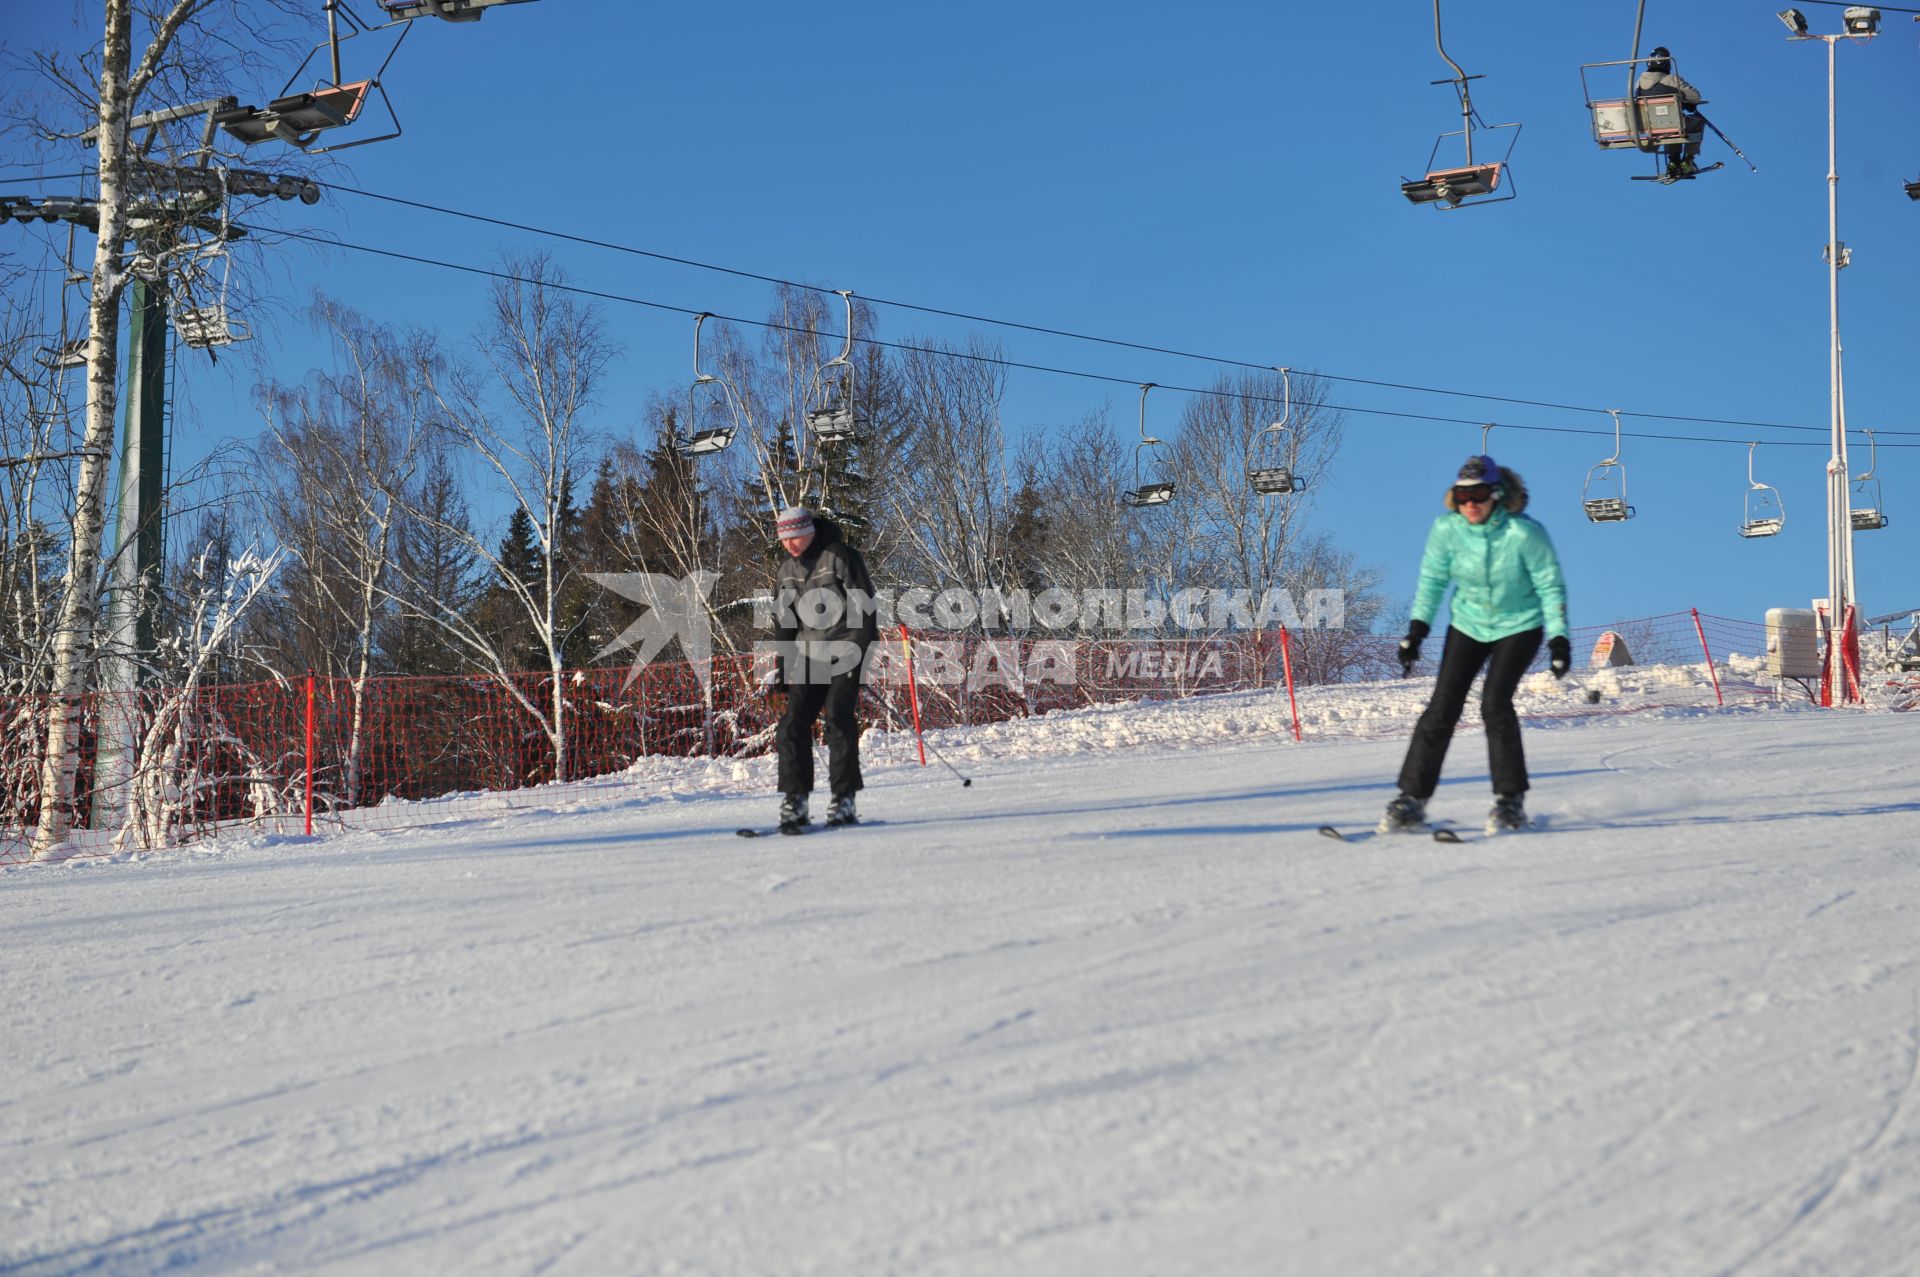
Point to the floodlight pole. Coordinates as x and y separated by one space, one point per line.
1840 583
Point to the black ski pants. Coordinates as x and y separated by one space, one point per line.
839 698
1461 660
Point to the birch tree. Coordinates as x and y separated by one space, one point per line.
113 83
347 445
544 354
950 501
1241 538
166 783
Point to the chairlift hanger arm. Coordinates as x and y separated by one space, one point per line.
332 45
1145 388
1615 458
845 357
699 378
1873 458
1459 76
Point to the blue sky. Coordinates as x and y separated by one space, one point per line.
1219 178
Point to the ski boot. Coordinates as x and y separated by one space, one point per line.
1405 814
793 813
1509 814
840 812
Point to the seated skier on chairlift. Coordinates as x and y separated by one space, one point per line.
1660 80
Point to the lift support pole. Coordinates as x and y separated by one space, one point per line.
134 575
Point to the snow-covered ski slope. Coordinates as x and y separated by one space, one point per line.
1114 1009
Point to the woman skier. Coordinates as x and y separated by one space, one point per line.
1508 592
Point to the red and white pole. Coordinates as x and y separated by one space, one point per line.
1715 674
1286 664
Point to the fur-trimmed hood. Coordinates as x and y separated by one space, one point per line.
1512 489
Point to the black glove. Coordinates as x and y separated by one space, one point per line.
1559 655
1417 632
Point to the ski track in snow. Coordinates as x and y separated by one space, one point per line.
1116 1008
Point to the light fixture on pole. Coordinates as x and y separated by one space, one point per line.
1861 19
1796 21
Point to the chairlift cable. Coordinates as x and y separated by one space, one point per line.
1047 331
1021 366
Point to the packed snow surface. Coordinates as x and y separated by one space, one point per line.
1115 1008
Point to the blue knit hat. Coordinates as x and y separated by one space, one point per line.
1479 470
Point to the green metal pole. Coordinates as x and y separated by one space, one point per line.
126 665
143 459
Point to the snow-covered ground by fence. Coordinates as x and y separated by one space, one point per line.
1114 1008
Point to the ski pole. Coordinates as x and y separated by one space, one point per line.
1729 141
965 781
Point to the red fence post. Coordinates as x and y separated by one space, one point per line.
309 805
1850 654
1286 664
913 695
1701 631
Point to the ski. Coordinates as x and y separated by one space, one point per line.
1534 824
808 828
1668 179
1438 829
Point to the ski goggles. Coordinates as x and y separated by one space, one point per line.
1478 494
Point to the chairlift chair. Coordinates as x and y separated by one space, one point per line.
451 10
1762 513
1640 122
703 441
1269 462
1863 498
207 325
1475 182
1151 486
68 354
299 118
204 327
836 421
1604 495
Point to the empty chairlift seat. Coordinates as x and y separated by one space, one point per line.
1604 495
452 10
298 118
1863 499
706 442
1762 513
1454 186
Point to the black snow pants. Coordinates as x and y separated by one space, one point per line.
840 698
1460 661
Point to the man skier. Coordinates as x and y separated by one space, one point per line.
1508 591
1659 80
824 624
